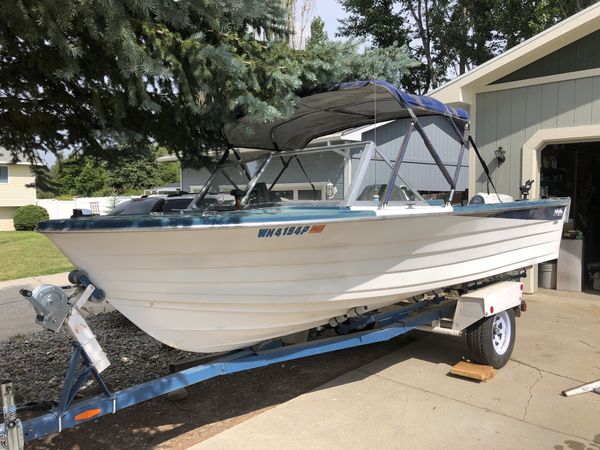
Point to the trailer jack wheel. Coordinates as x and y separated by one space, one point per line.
491 340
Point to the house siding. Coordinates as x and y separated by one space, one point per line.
320 168
193 177
6 218
509 117
16 192
418 167
579 55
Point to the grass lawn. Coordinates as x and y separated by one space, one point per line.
27 254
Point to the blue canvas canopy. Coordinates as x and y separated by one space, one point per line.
341 107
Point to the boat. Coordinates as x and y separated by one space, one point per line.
249 261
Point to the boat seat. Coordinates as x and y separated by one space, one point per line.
261 194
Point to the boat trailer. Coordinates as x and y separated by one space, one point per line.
470 312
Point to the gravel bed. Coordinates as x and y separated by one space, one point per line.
37 362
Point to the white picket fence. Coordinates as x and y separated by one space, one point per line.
63 209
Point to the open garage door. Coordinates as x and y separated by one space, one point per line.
573 170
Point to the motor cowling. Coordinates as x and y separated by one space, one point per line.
483 198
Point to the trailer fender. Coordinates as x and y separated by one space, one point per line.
486 302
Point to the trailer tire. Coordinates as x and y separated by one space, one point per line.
492 339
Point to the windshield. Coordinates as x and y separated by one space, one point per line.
373 186
321 175
229 181
311 175
303 177
174 204
375 192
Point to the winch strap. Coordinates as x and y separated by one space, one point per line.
484 165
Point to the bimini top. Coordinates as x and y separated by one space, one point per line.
341 107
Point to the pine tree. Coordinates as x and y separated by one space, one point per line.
104 75
106 78
317 32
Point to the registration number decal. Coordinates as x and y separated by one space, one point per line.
290 231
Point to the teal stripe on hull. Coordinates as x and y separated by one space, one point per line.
523 204
256 216
286 214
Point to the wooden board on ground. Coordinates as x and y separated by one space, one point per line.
475 371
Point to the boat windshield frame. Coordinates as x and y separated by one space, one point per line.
369 152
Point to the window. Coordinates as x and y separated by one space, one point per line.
306 194
286 195
3 174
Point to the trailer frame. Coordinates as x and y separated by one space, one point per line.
354 329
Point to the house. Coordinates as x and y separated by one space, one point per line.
16 188
535 113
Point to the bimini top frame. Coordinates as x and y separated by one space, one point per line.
339 107
344 106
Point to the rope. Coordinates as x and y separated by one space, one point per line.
485 168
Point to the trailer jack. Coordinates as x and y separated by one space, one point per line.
11 433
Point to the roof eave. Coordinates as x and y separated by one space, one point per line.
462 88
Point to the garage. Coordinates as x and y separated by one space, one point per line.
536 116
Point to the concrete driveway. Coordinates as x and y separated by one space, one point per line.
407 399
17 315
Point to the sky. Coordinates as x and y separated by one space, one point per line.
330 11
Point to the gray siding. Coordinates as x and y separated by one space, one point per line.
325 167
508 118
193 177
320 168
418 168
579 55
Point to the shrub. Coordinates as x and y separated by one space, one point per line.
28 216
42 195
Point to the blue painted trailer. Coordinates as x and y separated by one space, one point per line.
485 304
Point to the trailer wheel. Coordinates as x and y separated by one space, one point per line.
491 340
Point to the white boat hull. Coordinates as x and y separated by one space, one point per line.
212 289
